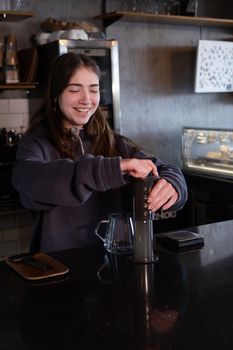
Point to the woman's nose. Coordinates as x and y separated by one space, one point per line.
85 97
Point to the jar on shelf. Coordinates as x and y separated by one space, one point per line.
11 68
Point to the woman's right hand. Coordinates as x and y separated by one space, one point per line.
138 168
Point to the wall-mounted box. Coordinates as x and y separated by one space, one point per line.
214 66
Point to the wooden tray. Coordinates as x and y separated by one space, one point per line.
50 266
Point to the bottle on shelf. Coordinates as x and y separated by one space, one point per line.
11 68
183 7
16 5
192 8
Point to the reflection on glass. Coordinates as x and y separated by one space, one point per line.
149 301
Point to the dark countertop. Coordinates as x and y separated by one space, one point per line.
182 302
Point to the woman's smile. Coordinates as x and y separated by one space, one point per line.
82 109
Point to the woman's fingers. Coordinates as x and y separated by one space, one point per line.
163 195
139 168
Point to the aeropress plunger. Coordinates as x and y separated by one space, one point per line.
143 221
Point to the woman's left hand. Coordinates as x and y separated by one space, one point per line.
163 195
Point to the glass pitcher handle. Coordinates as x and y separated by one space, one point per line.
97 228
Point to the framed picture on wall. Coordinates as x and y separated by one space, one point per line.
214 66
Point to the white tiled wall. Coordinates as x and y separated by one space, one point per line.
14 114
15 233
15 228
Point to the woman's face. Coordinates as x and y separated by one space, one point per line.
80 98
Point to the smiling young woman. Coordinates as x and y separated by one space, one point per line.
72 169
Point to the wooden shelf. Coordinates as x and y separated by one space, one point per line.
18 86
110 18
14 16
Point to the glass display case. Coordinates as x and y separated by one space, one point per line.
208 150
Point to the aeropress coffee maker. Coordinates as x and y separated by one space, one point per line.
143 251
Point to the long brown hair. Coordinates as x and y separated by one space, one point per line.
103 138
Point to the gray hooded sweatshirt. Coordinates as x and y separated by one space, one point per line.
68 198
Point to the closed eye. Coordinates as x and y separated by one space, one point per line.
77 88
73 88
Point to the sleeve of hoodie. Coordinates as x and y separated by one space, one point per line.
169 172
43 183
